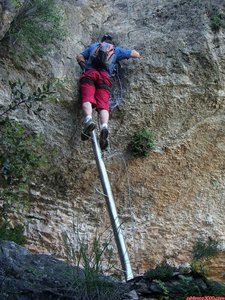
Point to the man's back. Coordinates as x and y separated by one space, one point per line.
120 54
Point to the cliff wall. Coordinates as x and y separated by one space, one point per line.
167 200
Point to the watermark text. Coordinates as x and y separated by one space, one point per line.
206 298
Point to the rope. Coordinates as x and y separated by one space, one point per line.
132 214
132 217
116 98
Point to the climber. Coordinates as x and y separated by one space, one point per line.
95 83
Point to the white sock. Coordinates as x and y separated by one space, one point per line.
86 119
104 125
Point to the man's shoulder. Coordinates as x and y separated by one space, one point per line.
89 49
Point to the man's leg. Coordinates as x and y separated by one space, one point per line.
102 95
87 110
87 97
88 124
104 118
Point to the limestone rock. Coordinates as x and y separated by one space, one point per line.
8 10
24 275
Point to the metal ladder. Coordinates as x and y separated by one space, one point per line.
116 225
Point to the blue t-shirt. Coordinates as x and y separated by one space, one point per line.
120 54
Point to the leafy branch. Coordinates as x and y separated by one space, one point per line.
202 252
19 97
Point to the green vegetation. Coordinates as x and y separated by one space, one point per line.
15 234
161 272
20 156
37 26
165 292
21 152
31 101
93 258
217 21
205 250
142 142
16 4
202 252
189 287
215 289
216 15
215 12
170 283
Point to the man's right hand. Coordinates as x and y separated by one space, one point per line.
81 61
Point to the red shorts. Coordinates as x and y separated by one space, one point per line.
95 87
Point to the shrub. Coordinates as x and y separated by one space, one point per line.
37 25
205 250
14 234
217 18
94 285
21 152
216 22
20 156
142 142
161 272
216 289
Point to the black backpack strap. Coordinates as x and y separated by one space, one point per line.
103 86
87 80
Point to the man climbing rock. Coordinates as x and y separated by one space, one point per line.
98 61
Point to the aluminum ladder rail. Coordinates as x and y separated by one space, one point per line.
123 254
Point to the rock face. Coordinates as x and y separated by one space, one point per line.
24 275
175 195
8 11
6 17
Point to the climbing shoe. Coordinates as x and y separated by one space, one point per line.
88 127
103 141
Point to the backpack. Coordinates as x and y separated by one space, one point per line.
102 56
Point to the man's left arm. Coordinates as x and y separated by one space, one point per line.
124 53
134 54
